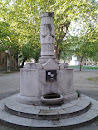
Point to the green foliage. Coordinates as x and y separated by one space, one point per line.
85 45
4 34
21 24
31 49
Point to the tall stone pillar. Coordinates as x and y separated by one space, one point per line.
47 37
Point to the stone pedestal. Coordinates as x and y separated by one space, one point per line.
33 82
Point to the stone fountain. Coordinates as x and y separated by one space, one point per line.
47 99
48 77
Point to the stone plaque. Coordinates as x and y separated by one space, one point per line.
51 75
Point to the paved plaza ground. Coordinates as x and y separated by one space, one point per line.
9 85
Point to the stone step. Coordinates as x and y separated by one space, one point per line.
74 108
8 119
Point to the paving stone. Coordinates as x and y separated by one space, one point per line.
31 111
42 107
83 103
56 122
61 111
66 105
94 107
55 108
2 106
90 114
13 106
11 119
78 119
73 109
41 123
48 112
17 107
75 101
92 126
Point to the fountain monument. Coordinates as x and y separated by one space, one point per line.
47 99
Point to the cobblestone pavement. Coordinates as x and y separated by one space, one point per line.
9 85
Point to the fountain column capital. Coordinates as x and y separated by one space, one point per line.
47 14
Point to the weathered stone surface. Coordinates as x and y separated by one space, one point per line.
61 112
29 82
42 107
44 59
65 83
39 66
67 105
47 35
75 102
56 101
50 65
47 49
30 65
63 65
47 20
66 65
83 103
33 83
47 14
48 112
28 100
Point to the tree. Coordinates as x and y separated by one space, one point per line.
23 17
31 49
85 45
4 35
8 40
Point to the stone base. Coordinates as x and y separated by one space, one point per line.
35 82
37 101
33 117
27 100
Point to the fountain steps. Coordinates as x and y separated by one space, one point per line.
69 110
73 114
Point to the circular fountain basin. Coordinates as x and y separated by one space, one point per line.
52 99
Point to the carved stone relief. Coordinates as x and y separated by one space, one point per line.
47 33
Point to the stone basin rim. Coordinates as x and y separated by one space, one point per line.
52 101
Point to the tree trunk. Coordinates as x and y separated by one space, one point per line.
16 66
80 66
81 62
57 52
16 62
60 38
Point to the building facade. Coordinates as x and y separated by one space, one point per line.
7 61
